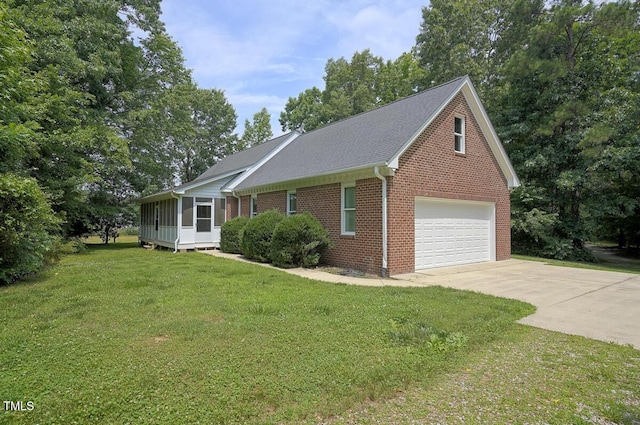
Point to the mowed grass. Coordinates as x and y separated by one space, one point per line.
126 335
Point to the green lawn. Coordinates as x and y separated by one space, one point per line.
126 335
628 268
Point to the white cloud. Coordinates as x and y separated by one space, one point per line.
388 29
262 52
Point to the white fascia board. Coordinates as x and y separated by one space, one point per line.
195 184
395 160
231 186
490 135
471 96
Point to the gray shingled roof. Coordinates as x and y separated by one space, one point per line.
243 159
370 138
239 161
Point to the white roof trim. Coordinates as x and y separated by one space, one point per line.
232 185
197 183
471 96
490 134
395 161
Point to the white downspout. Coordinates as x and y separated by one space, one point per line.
376 171
178 222
233 193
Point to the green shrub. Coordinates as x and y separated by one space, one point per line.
299 240
257 234
231 235
27 227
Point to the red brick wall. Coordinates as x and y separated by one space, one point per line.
232 207
362 251
272 200
431 168
245 205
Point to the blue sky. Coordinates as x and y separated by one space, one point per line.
263 52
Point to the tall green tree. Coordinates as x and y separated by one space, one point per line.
196 130
258 131
555 115
305 112
87 66
17 88
28 226
352 87
461 37
611 144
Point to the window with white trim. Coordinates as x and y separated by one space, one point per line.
254 205
458 134
348 209
292 202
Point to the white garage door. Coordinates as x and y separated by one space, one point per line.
453 232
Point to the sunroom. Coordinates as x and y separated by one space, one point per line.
188 218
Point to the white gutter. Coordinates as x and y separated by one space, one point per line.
376 171
233 193
178 222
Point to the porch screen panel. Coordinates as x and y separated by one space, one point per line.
187 211
220 205
174 213
163 213
143 211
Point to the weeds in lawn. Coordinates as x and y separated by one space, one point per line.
422 336
126 335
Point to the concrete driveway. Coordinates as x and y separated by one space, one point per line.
596 304
591 303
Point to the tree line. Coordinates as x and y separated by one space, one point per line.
98 109
561 83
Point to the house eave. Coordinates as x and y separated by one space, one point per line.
336 176
181 190
231 186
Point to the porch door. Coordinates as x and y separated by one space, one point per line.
204 218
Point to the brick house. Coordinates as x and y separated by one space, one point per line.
421 182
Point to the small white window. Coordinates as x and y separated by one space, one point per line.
458 134
292 202
348 209
254 205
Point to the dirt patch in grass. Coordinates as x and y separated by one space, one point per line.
160 338
347 272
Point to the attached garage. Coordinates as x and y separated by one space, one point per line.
449 232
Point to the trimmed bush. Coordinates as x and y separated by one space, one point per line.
231 235
299 240
257 234
27 227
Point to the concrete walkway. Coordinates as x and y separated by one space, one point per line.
596 304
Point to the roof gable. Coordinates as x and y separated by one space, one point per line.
231 165
373 138
243 159
369 138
